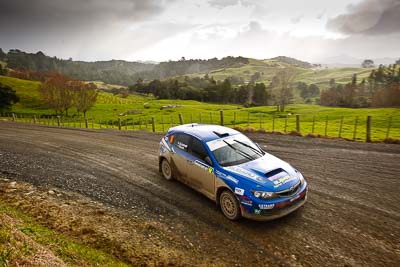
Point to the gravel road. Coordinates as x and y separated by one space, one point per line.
352 217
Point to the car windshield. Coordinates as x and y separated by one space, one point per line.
234 150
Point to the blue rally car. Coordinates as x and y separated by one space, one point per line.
230 169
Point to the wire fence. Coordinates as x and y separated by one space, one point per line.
354 128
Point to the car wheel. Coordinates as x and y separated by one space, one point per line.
166 169
229 205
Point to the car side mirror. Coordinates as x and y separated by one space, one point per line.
208 160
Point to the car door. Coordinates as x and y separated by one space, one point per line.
200 173
180 156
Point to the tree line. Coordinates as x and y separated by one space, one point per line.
114 71
380 89
279 92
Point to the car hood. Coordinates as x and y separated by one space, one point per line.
268 172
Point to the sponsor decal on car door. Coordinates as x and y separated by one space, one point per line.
201 174
180 155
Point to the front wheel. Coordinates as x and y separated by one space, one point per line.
229 205
166 169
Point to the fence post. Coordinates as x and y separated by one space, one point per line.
133 123
260 120
248 119
368 137
326 126
126 124
58 121
119 124
162 123
200 117
211 118
34 119
234 119
355 128
92 123
273 123
388 127
221 114
298 123
100 123
313 124
13 117
286 122
191 118
153 124
180 118
340 127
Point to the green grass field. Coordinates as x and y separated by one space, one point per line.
136 112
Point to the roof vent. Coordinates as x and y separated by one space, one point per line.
221 134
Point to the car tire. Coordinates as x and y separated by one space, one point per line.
229 205
166 170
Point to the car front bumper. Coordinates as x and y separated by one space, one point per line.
288 206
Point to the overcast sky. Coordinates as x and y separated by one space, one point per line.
170 29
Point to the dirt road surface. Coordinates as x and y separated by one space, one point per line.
352 217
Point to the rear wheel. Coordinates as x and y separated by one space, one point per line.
166 169
229 205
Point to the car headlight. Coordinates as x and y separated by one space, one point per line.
263 194
300 176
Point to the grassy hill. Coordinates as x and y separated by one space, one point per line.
269 67
126 73
139 110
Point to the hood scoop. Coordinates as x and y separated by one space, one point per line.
279 177
277 172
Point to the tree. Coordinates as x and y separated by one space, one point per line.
303 88
2 54
84 96
313 90
225 91
367 63
8 97
3 70
260 95
242 94
57 94
283 88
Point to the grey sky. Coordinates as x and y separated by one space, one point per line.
169 29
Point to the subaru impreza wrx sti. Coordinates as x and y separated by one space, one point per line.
230 169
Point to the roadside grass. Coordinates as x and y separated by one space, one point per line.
136 112
20 242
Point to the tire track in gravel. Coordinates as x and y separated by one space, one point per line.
347 221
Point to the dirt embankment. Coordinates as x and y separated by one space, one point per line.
352 216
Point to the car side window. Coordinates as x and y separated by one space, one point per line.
197 149
181 141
